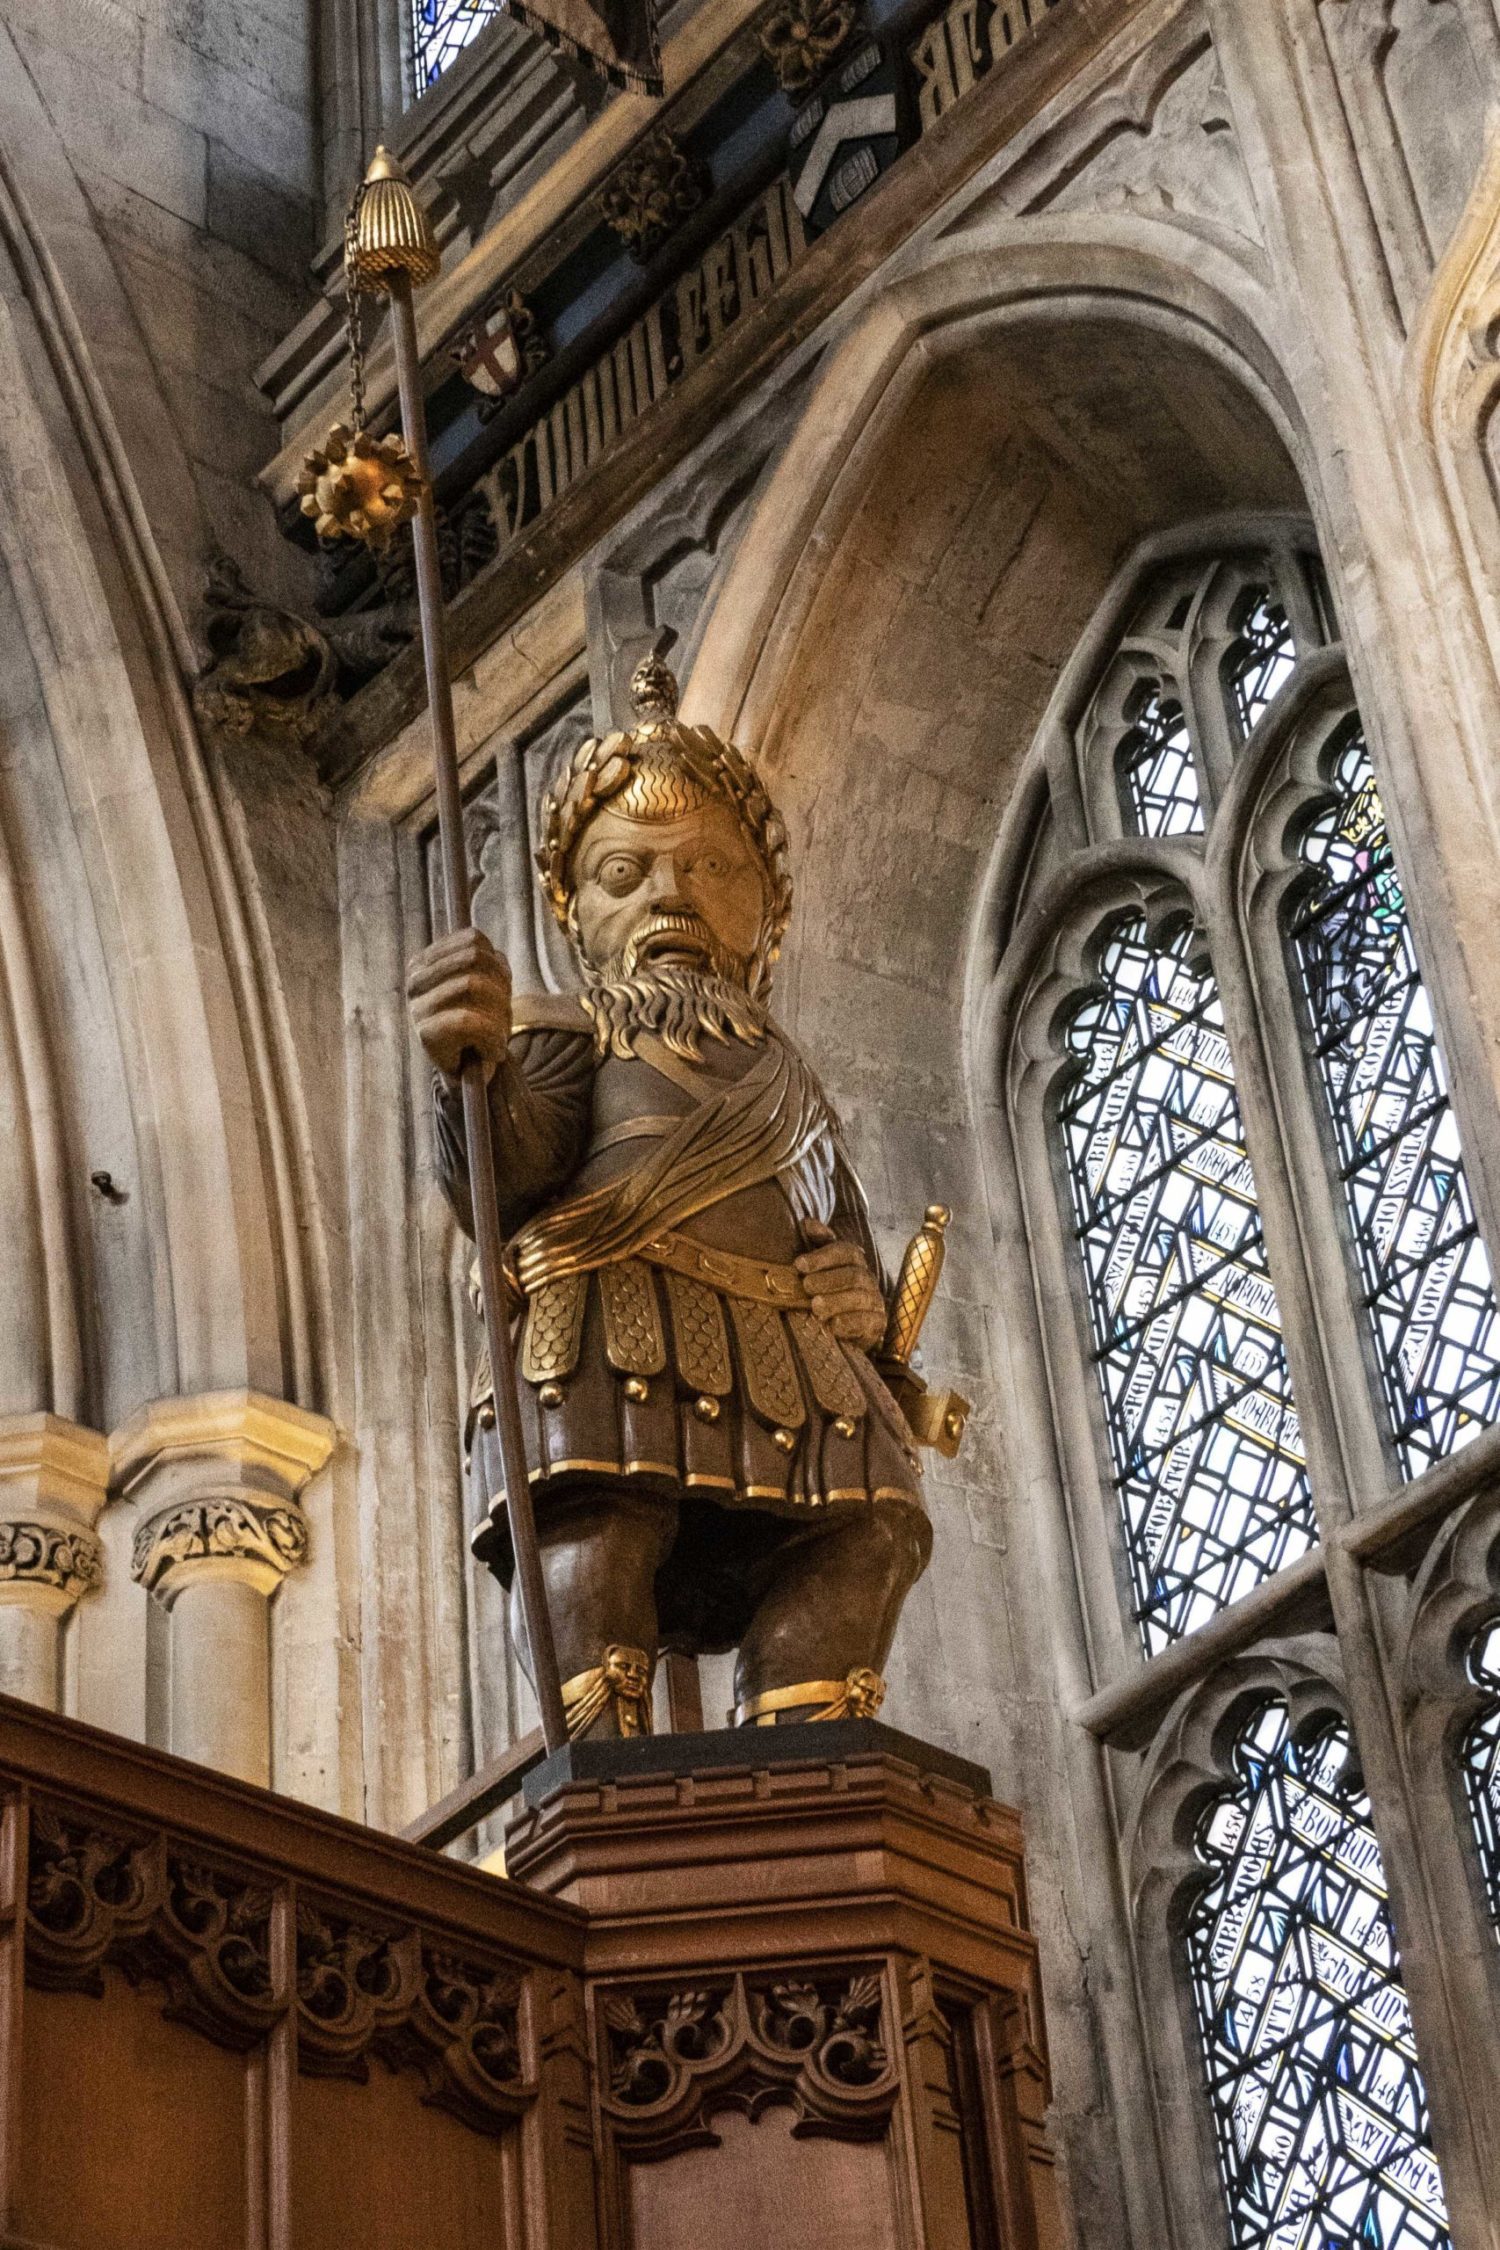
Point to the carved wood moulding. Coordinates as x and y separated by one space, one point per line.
238 1951
670 2057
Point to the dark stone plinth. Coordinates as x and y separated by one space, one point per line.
827 1742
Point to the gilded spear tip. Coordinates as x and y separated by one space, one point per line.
390 234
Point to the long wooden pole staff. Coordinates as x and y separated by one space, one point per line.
391 246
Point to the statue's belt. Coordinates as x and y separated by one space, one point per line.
753 1278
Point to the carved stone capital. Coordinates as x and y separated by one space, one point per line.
54 1476
219 1536
46 1567
217 1480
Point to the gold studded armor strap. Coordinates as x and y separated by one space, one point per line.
738 1136
624 1679
858 1696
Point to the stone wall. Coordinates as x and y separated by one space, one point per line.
168 152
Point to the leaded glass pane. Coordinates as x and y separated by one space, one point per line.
1426 1273
1481 1765
1197 1394
1307 2037
1262 660
1158 774
441 29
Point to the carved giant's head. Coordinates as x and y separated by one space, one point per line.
662 856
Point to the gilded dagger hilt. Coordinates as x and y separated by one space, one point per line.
935 1418
916 1286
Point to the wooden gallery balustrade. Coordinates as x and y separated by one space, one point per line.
762 1996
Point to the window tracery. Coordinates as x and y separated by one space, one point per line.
1225 1098
1428 1286
1158 772
1307 2035
1262 659
1209 1464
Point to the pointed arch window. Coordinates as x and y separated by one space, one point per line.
1209 1466
1428 1288
1307 2037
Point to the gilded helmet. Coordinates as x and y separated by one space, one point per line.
660 770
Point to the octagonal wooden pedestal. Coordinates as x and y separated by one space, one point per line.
811 1991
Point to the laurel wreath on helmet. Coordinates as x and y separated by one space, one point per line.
602 766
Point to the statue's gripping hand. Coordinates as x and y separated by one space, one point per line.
458 992
842 1290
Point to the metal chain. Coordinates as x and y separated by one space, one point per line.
354 315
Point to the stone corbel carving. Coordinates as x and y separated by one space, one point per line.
273 669
53 1480
217 1479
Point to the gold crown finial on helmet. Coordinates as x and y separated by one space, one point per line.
659 770
653 690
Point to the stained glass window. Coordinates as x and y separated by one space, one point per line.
1158 773
441 29
1197 1395
1426 1273
1307 2037
1262 660
1481 1764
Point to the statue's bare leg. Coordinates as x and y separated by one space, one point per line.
600 1556
832 1604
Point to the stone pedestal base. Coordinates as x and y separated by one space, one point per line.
811 1991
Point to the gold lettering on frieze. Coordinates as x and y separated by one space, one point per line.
964 44
735 273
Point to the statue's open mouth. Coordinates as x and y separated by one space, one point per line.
679 939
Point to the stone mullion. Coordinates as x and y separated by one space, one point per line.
1340 1457
1383 513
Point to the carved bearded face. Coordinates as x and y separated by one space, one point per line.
667 915
685 894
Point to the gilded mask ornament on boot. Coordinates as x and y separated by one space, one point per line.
720 1414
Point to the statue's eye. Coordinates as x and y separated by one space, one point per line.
619 873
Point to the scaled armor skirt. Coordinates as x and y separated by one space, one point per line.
656 1375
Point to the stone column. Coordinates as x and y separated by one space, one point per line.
217 1481
53 1479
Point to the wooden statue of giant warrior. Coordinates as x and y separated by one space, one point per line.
718 1460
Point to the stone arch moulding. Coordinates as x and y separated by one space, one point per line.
223 1184
1125 270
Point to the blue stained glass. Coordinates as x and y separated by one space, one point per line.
442 29
1428 1287
1202 1425
1307 2037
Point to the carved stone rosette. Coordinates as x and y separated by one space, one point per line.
37 1555
668 2059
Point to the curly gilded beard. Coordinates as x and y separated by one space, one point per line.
681 1006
